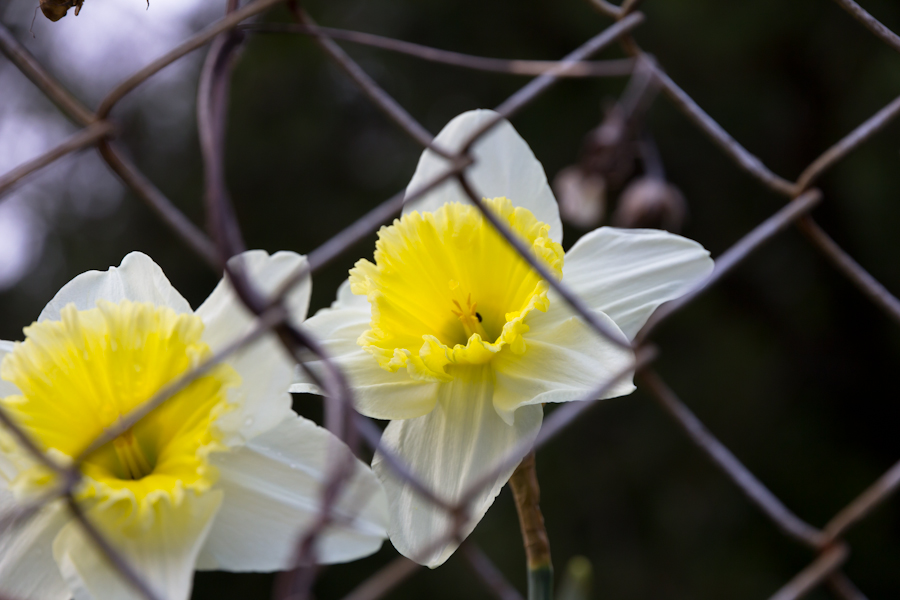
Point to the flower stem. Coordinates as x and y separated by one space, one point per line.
527 494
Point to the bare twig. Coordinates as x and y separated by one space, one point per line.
851 141
841 586
759 494
740 155
735 255
603 68
540 84
606 8
109 552
852 270
396 572
577 304
262 326
85 137
194 42
372 90
860 14
372 436
813 575
27 443
874 495
212 102
491 576
189 233
43 80
558 420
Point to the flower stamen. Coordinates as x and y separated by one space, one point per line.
470 319
131 456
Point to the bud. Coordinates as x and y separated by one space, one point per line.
582 197
650 202
57 9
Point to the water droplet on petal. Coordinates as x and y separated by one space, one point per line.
248 422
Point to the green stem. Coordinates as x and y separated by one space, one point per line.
540 583
527 494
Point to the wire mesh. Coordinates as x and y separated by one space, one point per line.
222 240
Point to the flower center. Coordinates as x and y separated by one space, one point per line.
446 288
83 374
133 462
470 319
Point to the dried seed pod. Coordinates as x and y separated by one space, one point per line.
610 150
581 195
651 202
57 9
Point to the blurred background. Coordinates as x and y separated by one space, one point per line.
784 361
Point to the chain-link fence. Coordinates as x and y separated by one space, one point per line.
222 239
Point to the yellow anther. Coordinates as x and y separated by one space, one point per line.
131 456
470 319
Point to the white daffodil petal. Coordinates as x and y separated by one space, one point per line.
224 314
450 449
273 488
627 273
27 569
504 166
6 388
378 393
564 360
261 400
163 555
138 279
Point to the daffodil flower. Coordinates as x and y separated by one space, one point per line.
223 475
452 336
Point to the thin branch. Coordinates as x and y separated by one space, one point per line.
189 233
606 8
558 420
27 443
552 426
740 155
263 324
759 494
111 554
735 255
852 270
372 436
875 26
851 141
841 586
51 88
393 574
490 575
372 90
865 503
212 103
85 137
572 299
363 226
533 89
813 575
604 68
194 42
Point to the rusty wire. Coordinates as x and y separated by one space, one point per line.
223 241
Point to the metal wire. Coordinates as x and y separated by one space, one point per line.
223 240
